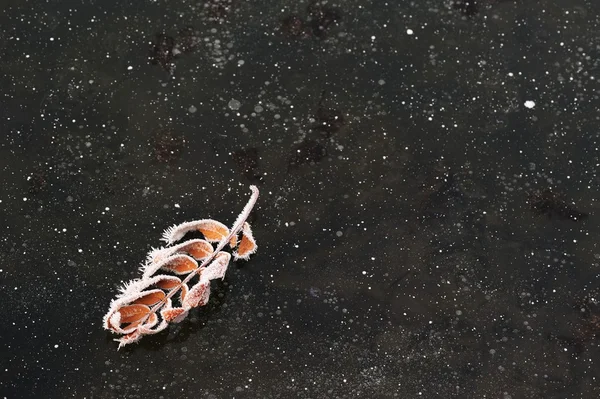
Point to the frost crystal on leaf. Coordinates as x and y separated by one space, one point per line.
144 306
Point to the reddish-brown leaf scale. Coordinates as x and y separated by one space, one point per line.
168 284
151 299
181 265
170 314
205 297
198 249
233 241
112 326
246 246
152 319
134 324
217 267
196 295
133 313
184 291
214 231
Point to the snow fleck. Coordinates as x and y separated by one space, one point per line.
192 109
529 104
409 32
234 104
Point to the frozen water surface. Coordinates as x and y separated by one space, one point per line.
427 224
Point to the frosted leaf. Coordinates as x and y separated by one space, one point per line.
212 230
143 306
217 268
247 244
197 295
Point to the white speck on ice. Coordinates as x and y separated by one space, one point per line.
192 109
129 68
381 82
529 104
409 32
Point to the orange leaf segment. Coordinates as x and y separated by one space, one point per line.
168 283
198 249
247 244
171 314
152 320
212 230
197 295
184 291
133 313
181 264
151 298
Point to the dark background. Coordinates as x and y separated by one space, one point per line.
438 239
